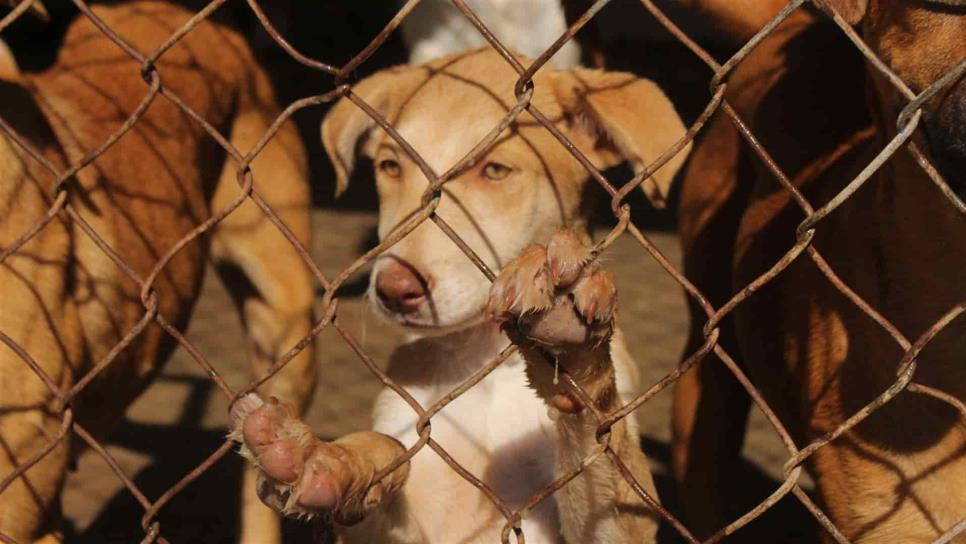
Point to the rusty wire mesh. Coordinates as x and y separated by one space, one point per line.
907 122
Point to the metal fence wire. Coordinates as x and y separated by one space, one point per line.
907 122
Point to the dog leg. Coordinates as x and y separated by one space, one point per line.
710 408
301 476
270 283
563 307
709 416
38 314
29 510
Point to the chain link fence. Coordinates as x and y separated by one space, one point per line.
907 122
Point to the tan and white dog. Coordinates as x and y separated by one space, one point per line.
505 207
62 298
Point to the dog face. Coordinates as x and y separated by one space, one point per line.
921 40
519 191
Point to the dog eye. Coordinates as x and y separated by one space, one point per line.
390 167
496 171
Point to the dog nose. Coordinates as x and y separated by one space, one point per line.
401 287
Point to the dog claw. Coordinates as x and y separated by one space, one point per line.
508 298
589 312
595 297
523 286
567 255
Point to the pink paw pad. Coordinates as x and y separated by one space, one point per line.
318 488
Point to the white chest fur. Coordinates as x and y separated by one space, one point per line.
498 430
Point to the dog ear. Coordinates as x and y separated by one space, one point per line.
631 120
347 129
851 10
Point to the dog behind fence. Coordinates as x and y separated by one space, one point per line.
154 90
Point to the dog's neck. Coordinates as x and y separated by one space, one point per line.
449 358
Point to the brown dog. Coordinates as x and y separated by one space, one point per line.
65 302
900 475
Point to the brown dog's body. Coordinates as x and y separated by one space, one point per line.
899 476
64 300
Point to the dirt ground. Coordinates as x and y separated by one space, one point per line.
181 419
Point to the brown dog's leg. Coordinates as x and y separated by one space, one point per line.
709 416
30 315
38 315
563 307
300 476
710 410
267 278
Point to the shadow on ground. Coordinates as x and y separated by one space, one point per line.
787 521
207 510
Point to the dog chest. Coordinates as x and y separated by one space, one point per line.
499 431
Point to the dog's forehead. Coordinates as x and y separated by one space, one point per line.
461 101
486 70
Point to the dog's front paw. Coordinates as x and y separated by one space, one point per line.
299 475
557 296
556 299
